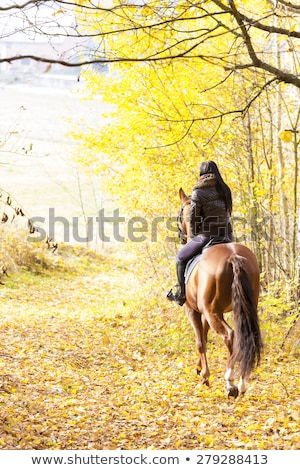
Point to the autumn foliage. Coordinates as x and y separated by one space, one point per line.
94 358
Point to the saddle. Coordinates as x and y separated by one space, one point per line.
193 261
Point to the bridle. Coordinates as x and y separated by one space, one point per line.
181 232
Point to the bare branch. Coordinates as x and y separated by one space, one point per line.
289 5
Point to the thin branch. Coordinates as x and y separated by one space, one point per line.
107 60
175 142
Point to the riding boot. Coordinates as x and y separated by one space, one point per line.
179 296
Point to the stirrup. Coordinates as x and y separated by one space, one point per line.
176 297
170 296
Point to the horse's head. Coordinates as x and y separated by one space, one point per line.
183 217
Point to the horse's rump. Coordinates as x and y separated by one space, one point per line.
215 265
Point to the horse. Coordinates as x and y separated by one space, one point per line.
226 278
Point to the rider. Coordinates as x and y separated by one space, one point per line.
210 212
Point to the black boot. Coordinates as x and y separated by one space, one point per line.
179 296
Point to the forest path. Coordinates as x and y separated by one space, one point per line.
87 363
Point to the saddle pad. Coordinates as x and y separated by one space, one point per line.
190 266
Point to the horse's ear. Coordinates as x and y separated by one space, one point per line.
182 195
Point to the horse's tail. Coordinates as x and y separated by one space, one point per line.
247 344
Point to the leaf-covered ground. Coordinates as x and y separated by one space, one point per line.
93 360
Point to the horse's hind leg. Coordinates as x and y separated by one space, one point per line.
220 326
200 327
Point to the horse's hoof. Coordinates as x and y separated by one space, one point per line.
232 391
204 381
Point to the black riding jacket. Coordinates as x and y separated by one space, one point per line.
209 215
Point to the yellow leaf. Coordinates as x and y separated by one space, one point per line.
57 12
286 136
209 440
105 339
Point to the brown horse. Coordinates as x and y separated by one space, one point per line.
226 278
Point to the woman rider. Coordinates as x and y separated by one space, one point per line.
211 207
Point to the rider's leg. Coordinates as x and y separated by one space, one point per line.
192 248
180 294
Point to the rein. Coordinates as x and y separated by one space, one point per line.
181 232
